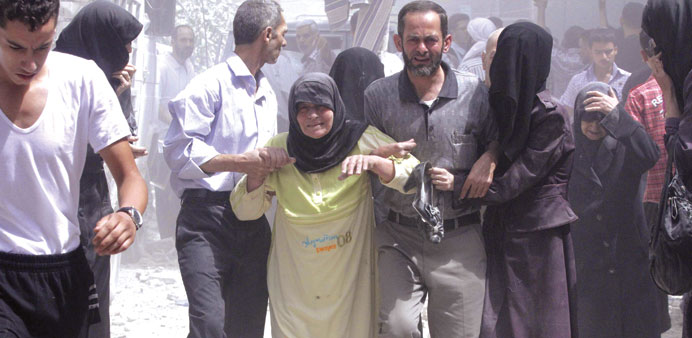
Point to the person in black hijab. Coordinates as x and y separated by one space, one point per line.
103 32
318 155
353 71
530 277
669 23
615 293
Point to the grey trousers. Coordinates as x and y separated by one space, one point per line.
451 274
223 263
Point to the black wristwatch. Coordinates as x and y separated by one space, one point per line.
134 214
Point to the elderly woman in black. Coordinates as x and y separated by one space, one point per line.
669 24
615 294
103 32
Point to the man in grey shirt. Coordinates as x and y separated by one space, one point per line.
446 113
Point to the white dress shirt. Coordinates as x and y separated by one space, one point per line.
222 111
173 77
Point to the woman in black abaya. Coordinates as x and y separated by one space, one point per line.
615 294
530 276
103 32
669 24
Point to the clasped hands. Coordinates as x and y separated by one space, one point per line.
260 162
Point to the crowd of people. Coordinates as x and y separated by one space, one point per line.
509 181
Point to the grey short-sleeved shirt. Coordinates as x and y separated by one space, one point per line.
452 134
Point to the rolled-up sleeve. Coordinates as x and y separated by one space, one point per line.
250 205
193 111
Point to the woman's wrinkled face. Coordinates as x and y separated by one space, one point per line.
592 130
315 121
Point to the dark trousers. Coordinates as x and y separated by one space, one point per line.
94 204
223 263
44 295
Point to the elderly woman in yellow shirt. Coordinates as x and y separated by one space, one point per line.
321 271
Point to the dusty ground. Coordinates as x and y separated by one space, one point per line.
149 299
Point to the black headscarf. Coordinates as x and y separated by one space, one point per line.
100 32
669 23
519 71
353 71
317 155
593 160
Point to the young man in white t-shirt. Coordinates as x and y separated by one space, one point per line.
52 106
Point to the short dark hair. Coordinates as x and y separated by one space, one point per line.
33 13
178 28
572 36
497 21
602 35
252 17
632 14
456 18
422 6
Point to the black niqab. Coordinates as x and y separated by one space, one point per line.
519 71
318 155
353 71
99 32
669 23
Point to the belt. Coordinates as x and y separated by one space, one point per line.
207 195
449 224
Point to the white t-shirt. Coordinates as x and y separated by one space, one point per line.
41 165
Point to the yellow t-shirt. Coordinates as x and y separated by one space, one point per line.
321 271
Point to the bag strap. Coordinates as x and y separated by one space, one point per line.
664 194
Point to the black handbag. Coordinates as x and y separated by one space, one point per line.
670 249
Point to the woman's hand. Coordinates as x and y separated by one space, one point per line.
663 79
667 87
356 165
597 101
125 76
397 149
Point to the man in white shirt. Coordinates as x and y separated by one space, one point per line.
175 71
219 121
52 106
317 56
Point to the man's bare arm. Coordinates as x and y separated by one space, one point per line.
481 175
114 233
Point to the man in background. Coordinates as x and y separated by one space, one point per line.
461 40
317 57
603 68
627 36
175 71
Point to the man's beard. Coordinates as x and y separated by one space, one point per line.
424 69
